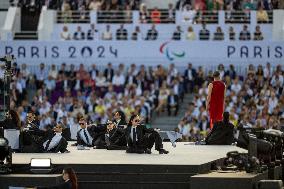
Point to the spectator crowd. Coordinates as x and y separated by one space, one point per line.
153 34
66 93
254 99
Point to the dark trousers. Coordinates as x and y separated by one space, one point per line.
61 147
149 141
170 107
188 86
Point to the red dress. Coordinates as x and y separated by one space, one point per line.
216 107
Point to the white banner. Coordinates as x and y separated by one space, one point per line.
145 52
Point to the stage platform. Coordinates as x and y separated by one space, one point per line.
117 169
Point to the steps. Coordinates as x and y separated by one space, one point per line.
26 35
169 123
134 176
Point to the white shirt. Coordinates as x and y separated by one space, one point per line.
107 35
101 81
65 35
188 16
118 80
54 141
2 73
272 104
236 88
82 136
267 72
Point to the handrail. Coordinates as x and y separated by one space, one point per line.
125 16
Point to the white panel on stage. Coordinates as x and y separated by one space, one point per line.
13 136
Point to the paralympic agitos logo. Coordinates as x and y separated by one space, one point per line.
170 54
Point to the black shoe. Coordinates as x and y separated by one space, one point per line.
66 151
148 151
163 151
75 144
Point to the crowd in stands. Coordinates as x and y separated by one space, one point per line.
255 99
66 93
153 34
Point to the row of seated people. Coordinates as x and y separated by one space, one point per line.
152 34
116 134
178 5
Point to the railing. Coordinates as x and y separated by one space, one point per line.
162 16
73 17
116 17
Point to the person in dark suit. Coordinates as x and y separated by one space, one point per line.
114 138
189 77
140 139
70 180
89 135
152 34
204 33
109 72
245 34
222 132
177 33
55 142
119 119
172 103
121 33
79 34
31 136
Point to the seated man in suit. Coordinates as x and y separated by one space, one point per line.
31 136
172 103
114 137
140 139
222 132
55 141
119 119
89 135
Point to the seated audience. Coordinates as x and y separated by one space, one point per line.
107 34
261 15
218 35
93 33
79 34
232 34
144 14
65 35
204 33
177 33
258 34
152 34
173 103
121 33
137 35
156 16
190 35
245 34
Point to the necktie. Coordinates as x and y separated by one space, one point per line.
134 135
86 136
48 143
107 139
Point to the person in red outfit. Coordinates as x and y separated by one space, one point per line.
216 99
156 16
